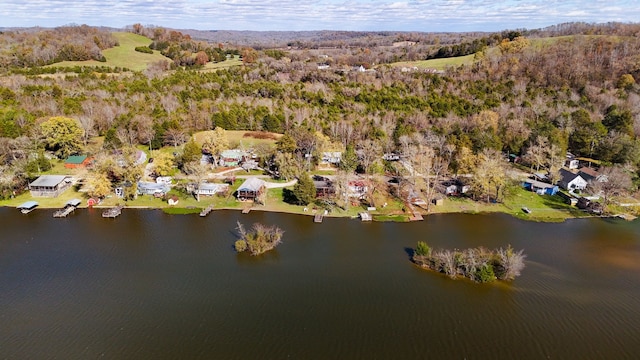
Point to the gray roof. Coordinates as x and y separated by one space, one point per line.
252 184
49 180
73 202
27 205
148 186
213 186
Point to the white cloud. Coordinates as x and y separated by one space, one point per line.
412 15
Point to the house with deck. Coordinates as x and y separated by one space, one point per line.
251 189
324 186
50 185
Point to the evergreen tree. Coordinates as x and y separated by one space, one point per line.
304 190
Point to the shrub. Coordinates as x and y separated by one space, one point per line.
423 249
144 49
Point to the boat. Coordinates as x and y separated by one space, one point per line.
27 207
526 210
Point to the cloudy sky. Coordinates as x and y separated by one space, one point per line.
406 15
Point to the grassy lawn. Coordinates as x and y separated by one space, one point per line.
543 208
124 55
235 61
241 138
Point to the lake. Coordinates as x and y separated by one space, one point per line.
158 286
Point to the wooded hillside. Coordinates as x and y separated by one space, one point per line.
575 93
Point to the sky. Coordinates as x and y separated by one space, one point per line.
279 15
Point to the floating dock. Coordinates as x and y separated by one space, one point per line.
113 212
206 211
318 218
68 208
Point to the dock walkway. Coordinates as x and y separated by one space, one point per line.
206 211
318 218
64 212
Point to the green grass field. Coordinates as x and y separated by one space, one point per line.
222 65
124 55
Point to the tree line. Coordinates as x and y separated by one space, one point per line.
575 94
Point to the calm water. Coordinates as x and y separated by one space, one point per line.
154 286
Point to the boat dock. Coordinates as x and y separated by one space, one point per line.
113 212
206 211
68 208
27 207
246 210
318 218
365 216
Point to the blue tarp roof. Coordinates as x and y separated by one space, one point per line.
28 205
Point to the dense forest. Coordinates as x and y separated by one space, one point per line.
536 94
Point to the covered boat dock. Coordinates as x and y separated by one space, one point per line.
27 207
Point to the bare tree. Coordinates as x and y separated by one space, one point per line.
612 181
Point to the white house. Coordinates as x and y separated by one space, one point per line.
570 181
211 189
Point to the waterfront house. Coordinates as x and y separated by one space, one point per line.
324 186
251 189
152 188
570 181
77 161
50 185
357 189
211 189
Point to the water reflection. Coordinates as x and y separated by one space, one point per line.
151 285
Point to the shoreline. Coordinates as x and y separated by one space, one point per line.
401 218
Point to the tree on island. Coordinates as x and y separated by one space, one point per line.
478 264
259 239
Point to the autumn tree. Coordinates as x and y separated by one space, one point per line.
98 185
163 163
202 58
215 141
62 135
489 178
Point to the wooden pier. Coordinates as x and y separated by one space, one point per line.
246 210
206 211
68 208
63 212
318 218
113 212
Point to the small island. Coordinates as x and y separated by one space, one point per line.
478 264
259 239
